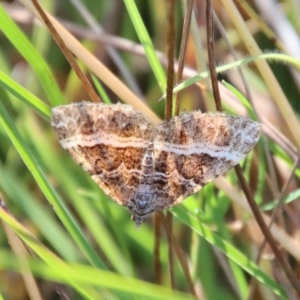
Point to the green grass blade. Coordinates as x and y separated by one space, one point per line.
146 43
230 251
85 275
288 199
51 259
44 220
46 188
233 65
24 95
63 169
218 206
29 52
81 277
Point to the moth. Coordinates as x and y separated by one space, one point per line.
147 167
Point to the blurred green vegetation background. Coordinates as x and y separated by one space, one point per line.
61 236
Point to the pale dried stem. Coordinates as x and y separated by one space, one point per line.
253 282
266 72
280 258
67 53
96 66
285 241
21 255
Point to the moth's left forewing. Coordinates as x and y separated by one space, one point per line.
108 141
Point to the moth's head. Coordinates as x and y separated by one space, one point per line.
140 204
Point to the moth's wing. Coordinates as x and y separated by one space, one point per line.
196 148
108 141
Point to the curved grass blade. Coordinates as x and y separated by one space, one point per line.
230 251
39 176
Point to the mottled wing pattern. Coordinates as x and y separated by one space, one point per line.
194 149
146 167
108 141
